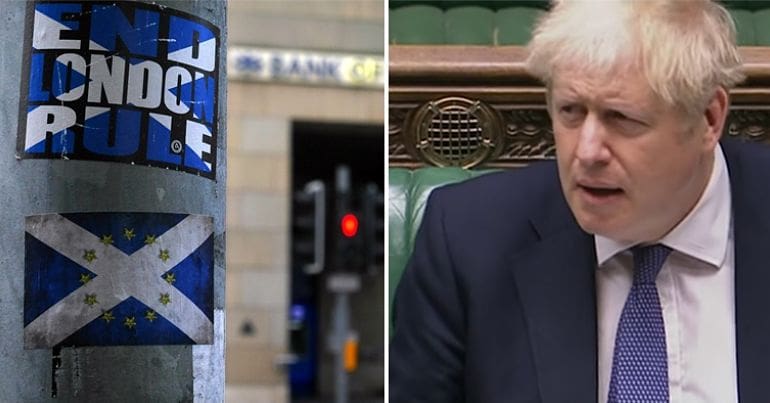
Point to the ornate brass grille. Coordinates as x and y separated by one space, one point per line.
455 132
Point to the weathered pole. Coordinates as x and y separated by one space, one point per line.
112 112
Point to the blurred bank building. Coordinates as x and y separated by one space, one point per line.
304 283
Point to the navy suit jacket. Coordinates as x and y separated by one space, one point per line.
498 302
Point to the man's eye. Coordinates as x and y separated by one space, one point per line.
570 111
615 115
623 119
624 124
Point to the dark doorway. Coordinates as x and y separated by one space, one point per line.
318 149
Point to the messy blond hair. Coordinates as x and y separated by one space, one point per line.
685 48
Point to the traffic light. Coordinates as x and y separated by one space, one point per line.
373 228
309 227
349 225
353 239
346 240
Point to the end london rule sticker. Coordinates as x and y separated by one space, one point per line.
120 81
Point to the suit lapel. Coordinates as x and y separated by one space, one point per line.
555 280
752 273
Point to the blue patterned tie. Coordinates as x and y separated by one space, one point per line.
640 364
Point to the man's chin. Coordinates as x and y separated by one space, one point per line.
601 227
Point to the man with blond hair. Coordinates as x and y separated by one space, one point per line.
634 269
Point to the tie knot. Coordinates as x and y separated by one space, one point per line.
647 262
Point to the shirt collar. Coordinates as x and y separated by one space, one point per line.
704 232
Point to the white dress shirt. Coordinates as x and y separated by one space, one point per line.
697 296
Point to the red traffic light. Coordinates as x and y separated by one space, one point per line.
349 225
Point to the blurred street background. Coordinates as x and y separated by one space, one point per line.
304 282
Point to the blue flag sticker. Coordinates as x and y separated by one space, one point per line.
120 81
102 279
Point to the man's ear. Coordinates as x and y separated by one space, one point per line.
715 116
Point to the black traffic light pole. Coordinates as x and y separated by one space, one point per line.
341 283
350 253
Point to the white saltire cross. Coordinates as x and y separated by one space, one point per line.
118 277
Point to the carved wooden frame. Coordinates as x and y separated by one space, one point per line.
494 78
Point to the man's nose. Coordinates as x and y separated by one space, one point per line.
591 146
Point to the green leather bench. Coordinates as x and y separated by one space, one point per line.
425 24
506 22
408 193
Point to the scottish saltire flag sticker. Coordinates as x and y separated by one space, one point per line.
102 279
